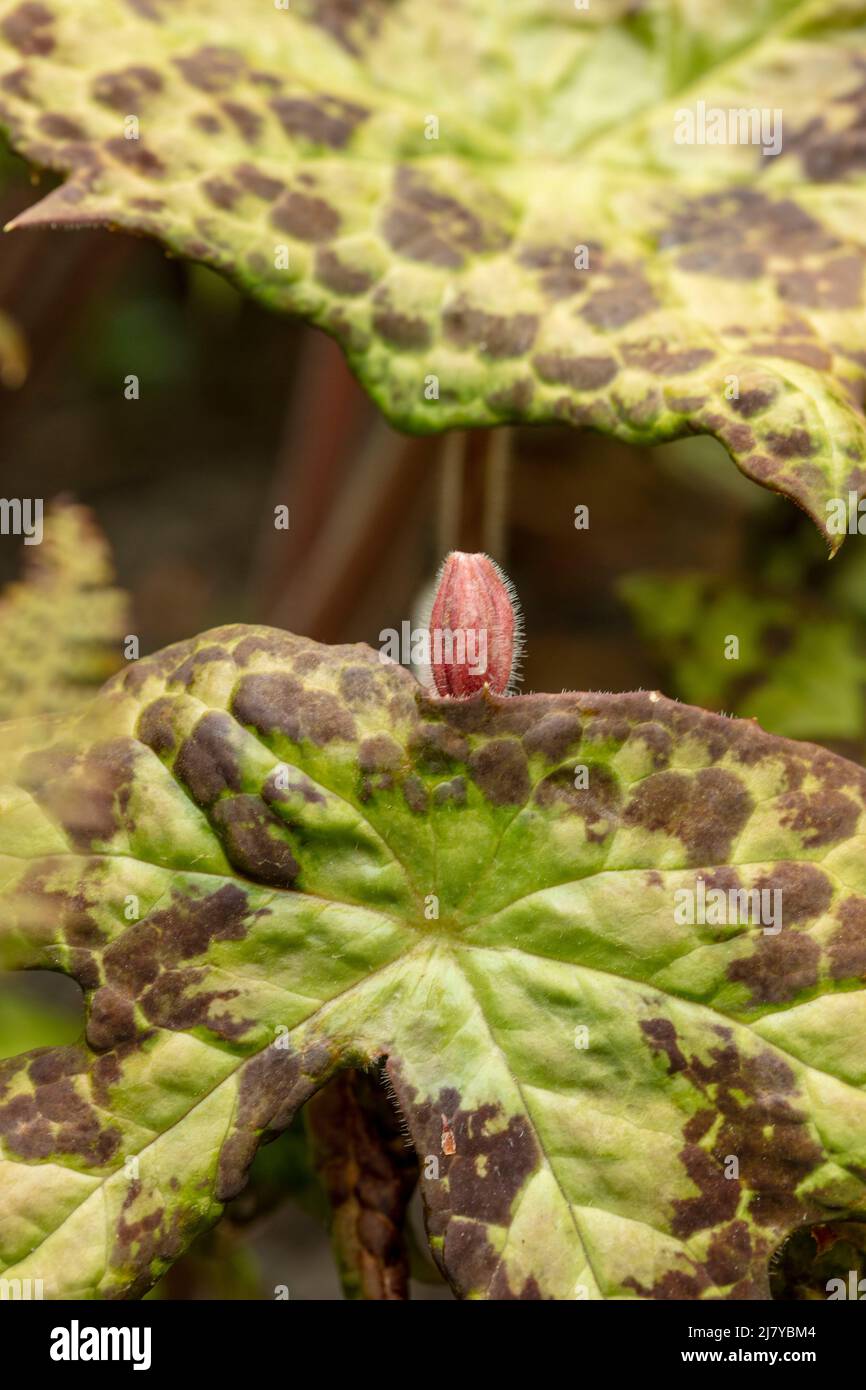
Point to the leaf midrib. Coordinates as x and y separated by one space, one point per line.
730 1020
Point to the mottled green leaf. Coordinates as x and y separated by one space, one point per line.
291 148
63 623
267 860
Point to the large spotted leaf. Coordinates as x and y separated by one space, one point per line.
266 861
487 203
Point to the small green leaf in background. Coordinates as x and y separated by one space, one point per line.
268 861
801 667
488 205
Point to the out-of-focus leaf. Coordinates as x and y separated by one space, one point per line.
14 360
800 668
489 205
267 861
26 1024
216 1267
811 1263
62 625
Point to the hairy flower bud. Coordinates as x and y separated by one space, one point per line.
475 627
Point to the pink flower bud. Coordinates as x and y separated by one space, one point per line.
475 627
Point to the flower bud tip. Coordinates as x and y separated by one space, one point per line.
475 628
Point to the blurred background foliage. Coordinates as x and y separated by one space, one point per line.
239 412
62 625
